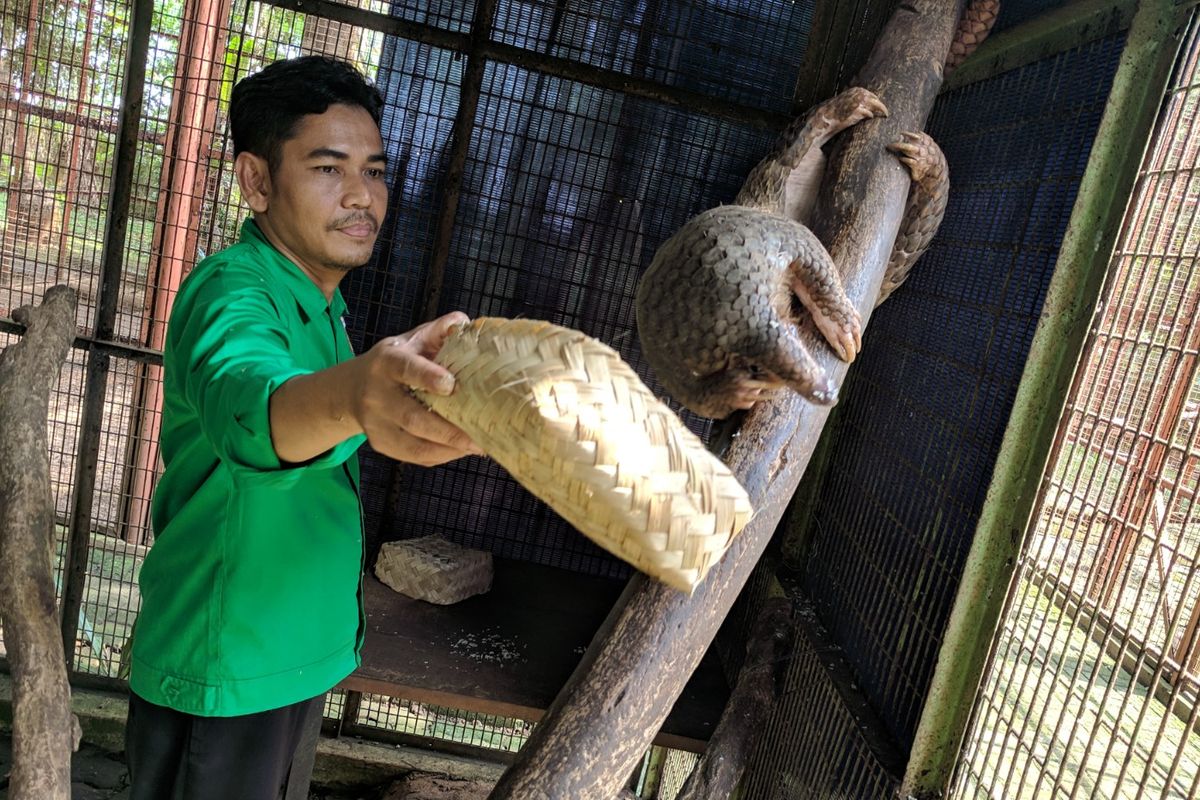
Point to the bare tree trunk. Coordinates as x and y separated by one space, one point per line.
45 732
612 706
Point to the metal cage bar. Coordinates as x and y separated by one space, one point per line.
503 53
75 563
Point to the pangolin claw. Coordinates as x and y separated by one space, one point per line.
876 106
848 343
749 391
914 150
861 104
852 340
843 332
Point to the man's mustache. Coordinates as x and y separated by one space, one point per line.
355 219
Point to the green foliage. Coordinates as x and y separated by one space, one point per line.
266 38
77 67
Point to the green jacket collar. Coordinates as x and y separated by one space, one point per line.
308 295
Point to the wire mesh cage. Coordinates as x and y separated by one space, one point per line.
532 171
742 51
566 186
59 129
1092 688
426 720
903 490
1016 12
820 740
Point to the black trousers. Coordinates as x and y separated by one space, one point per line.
177 756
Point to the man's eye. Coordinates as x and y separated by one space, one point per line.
328 169
374 173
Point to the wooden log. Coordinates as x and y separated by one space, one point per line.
605 717
724 760
45 732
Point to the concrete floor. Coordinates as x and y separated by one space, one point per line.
96 774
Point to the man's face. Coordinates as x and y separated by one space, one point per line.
327 196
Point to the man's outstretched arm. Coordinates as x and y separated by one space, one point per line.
370 394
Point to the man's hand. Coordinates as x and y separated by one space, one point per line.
396 423
371 394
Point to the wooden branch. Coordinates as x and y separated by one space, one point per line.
45 732
720 768
605 717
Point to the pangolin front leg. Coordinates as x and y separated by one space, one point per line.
812 276
924 209
765 187
714 308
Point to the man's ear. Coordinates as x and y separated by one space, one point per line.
254 178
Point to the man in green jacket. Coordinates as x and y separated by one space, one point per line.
251 595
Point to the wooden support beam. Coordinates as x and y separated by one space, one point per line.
45 732
610 709
839 41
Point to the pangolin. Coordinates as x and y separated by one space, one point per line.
715 307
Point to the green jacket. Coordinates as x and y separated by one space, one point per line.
251 593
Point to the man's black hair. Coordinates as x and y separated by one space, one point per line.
266 106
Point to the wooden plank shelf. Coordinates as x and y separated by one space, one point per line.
509 651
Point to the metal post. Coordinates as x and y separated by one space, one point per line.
1104 192
460 145
184 175
95 385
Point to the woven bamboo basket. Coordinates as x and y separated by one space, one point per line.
434 569
575 426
